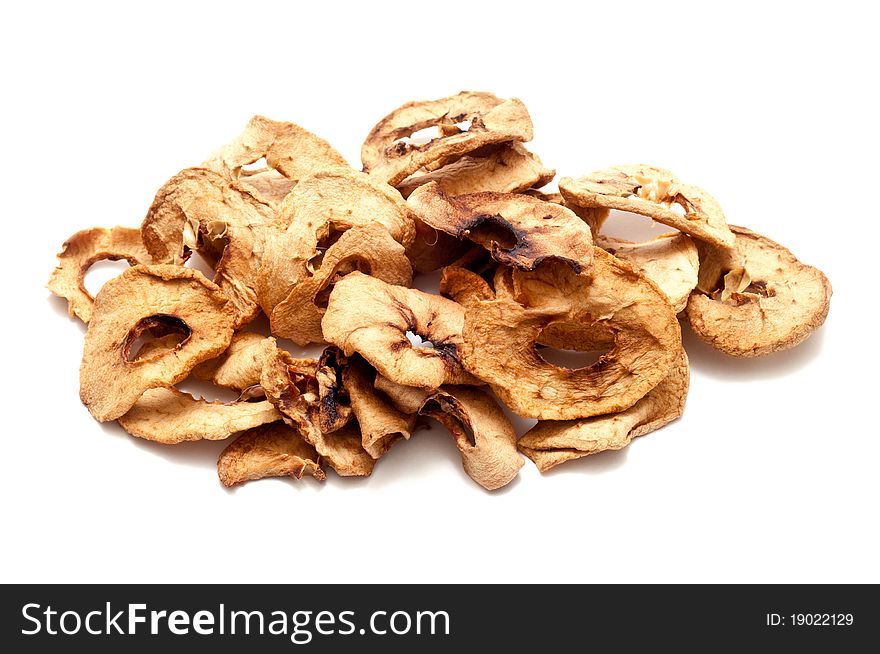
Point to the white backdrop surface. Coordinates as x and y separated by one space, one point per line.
770 476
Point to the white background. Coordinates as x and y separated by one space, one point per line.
771 475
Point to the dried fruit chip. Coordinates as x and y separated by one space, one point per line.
84 249
483 434
275 450
138 299
193 203
563 333
670 261
288 148
500 335
508 168
391 155
381 424
266 184
464 286
369 249
432 249
333 409
291 385
407 399
651 192
169 416
198 209
552 442
519 230
284 263
368 316
240 366
336 200
328 254
314 216
770 302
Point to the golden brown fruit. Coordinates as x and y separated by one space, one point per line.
500 335
406 399
84 249
390 155
314 217
519 230
368 316
756 299
369 249
239 367
288 148
482 433
508 168
552 442
381 424
670 261
198 209
292 386
652 192
169 416
141 298
275 450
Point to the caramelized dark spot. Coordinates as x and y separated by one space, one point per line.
153 327
495 229
287 397
400 148
329 413
751 293
759 288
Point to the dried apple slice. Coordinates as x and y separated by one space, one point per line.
406 399
381 424
519 230
369 249
266 184
288 148
291 385
391 155
240 366
552 442
432 249
170 416
275 450
670 261
198 209
757 298
368 316
508 168
652 192
464 286
314 216
81 251
340 199
482 433
141 298
500 336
